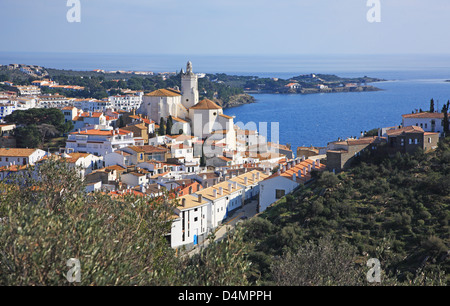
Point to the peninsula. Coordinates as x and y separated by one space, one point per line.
225 90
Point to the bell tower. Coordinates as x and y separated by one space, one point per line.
189 87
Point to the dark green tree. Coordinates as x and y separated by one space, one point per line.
203 159
432 106
27 136
162 127
169 125
445 122
121 122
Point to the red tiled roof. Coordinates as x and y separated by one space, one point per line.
425 115
206 104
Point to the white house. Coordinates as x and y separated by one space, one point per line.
92 105
190 222
429 122
223 198
135 178
99 142
126 102
17 156
283 182
249 181
182 151
7 108
84 162
118 157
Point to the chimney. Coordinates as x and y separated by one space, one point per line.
309 168
304 170
199 198
318 162
257 176
183 202
253 176
220 191
229 186
245 180
299 173
294 177
314 165
215 192
235 185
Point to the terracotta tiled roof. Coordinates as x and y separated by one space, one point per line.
101 132
16 152
148 149
163 93
407 129
206 104
425 115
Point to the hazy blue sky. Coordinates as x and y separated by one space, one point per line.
226 27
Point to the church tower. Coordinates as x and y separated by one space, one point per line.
189 87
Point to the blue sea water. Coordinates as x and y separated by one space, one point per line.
315 119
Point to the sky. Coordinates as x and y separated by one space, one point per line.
226 27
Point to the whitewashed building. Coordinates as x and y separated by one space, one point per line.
283 182
429 122
99 142
189 224
18 156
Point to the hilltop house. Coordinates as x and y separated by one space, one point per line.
429 122
285 180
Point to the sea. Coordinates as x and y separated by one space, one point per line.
411 81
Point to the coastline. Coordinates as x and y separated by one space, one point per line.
316 91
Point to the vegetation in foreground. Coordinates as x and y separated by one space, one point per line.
393 209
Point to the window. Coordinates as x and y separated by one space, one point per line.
195 219
279 193
429 139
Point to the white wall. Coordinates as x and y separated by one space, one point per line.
195 224
267 190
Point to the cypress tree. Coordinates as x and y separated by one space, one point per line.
162 127
432 106
445 122
203 159
169 125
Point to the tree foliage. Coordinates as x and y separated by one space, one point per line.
47 218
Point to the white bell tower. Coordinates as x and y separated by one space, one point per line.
189 87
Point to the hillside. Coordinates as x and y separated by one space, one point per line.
393 209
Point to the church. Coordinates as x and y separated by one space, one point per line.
204 117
